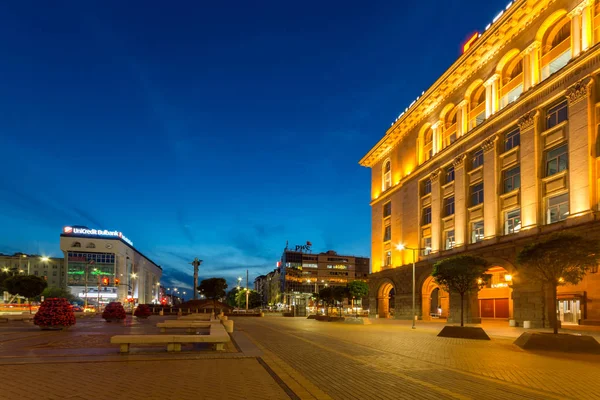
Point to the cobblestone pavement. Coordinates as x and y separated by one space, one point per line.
392 361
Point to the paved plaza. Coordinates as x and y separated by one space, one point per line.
282 358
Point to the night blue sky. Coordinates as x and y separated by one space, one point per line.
216 130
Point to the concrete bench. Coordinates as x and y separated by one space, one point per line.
196 317
189 326
173 342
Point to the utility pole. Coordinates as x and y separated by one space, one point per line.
196 263
247 291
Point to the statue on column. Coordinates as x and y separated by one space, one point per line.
196 263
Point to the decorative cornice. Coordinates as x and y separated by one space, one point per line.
488 143
492 79
459 161
435 174
578 9
463 103
533 46
578 91
527 121
437 125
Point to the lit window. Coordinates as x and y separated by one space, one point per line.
387 175
388 259
426 215
428 144
557 160
477 232
387 209
477 159
512 139
426 246
387 233
511 82
448 206
512 222
558 208
557 114
449 239
512 179
556 48
477 194
449 174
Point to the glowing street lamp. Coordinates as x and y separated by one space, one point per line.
401 247
45 259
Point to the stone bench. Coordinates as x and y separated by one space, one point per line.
218 338
196 317
189 326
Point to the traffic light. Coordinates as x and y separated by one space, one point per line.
116 281
105 281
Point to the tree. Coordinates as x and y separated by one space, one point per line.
560 259
358 290
3 277
254 299
326 295
58 292
339 294
28 286
461 274
213 288
231 298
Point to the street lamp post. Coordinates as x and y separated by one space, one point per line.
133 276
414 260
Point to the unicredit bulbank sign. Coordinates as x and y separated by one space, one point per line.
68 230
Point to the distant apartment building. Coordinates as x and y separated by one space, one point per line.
52 269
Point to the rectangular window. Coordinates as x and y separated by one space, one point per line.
512 222
477 159
449 239
448 206
477 194
558 208
426 187
449 174
387 209
556 114
426 215
512 139
557 160
387 233
35 273
512 179
426 246
477 232
388 259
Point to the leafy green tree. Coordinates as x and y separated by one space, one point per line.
461 274
339 294
357 290
560 259
213 288
58 292
254 299
326 295
28 286
3 277
231 298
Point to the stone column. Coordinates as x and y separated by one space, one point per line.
460 202
587 29
471 308
437 137
436 209
580 144
490 192
491 95
462 119
575 16
530 175
533 68
529 305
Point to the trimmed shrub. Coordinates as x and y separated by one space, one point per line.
113 311
53 313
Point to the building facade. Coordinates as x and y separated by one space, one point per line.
501 151
104 266
52 269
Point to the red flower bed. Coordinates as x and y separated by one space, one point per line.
142 311
113 311
55 312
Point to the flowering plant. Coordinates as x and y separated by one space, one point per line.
114 310
142 311
54 312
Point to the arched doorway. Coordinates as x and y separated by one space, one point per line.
435 301
495 299
386 299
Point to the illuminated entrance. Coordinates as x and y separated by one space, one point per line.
495 298
435 300
386 300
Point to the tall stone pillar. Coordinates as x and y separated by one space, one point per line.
575 16
437 137
580 144
491 95
462 119
490 195
529 304
530 175
470 308
436 210
587 29
534 62
460 202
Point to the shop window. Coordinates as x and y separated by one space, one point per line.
449 174
558 208
512 139
477 194
426 215
557 160
449 206
512 179
557 114
449 241
512 222
477 232
477 159
387 209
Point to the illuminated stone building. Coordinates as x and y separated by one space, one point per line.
49 268
502 150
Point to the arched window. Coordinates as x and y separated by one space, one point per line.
387 175
450 128
91 246
511 81
556 47
428 144
477 106
76 244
